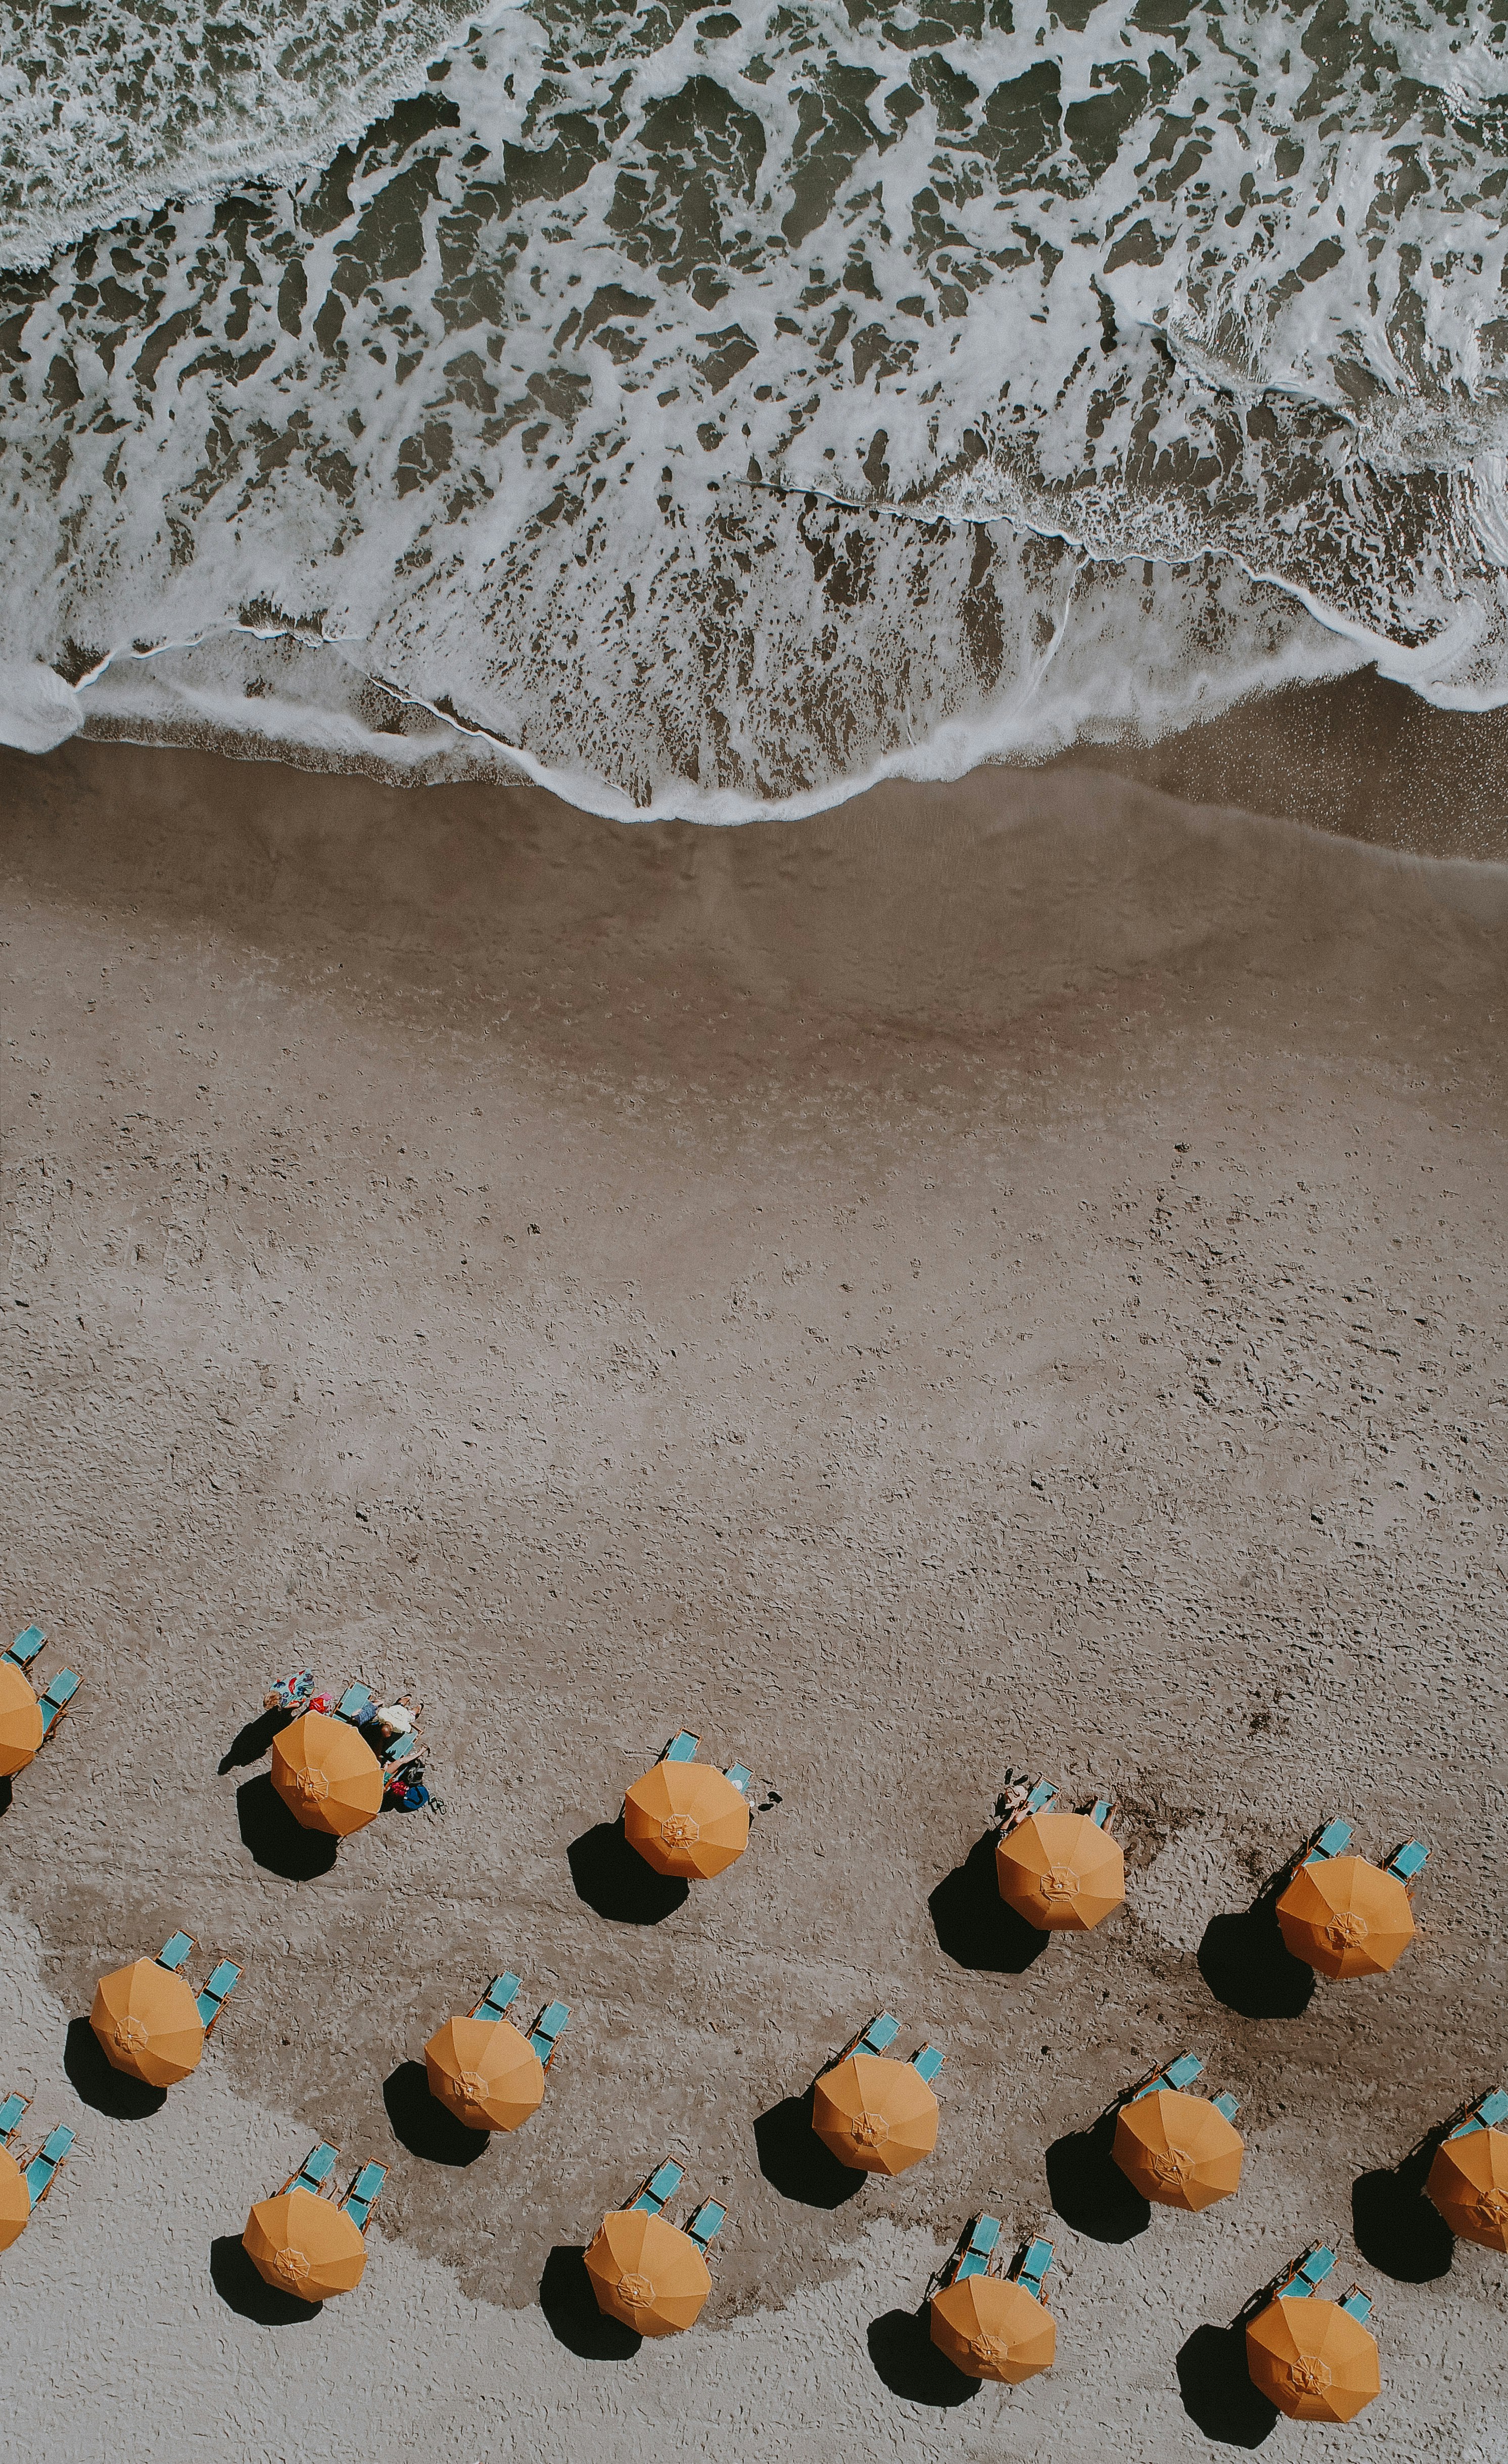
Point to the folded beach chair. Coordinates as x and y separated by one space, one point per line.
706 2224
357 1703
222 1982
502 1993
42 2171
24 1650
1332 1841
928 2061
973 2253
740 1775
55 1699
175 1950
1488 2113
363 2195
1358 2304
547 2031
1408 1861
10 2114
659 2186
682 1748
1035 2261
315 2172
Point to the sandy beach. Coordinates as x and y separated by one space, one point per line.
997 1276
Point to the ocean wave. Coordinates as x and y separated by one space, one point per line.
710 413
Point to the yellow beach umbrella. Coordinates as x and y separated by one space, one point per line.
20 1720
1311 2359
1345 1916
1178 2150
647 2273
15 2199
1060 1872
304 2245
1469 2184
147 2023
990 2328
326 1774
484 2072
876 2116
686 1819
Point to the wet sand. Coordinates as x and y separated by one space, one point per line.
1000 1275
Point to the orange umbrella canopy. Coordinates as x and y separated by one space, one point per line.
304 2245
484 2072
993 2329
326 1774
20 1720
15 2199
1311 2359
1469 2184
1345 1918
1178 2150
876 2116
1060 1872
647 2274
686 1819
147 2023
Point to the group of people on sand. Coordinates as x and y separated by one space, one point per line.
382 1728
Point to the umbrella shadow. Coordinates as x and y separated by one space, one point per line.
1397 2230
906 2358
1088 2189
249 1744
243 2290
795 2161
98 2082
275 1840
612 1877
424 2124
572 2315
7 1792
975 1927
1248 1966
1216 2389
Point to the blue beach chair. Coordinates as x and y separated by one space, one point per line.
547 2030
42 2171
682 1748
174 1951
740 1775
55 1699
877 2037
222 1982
1100 1811
927 2062
1042 1797
24 1650
363 2195
10 2115
1486 2114
1227 2104
1407 1861
1358 2304
977 2248
1332 1841
1036 2260
315 2172
659 2186
357 1703
499 1997
1312 2269
706 2224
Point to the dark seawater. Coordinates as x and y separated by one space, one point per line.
710 412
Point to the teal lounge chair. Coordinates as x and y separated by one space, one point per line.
682 1748
706 2224
978 2246
1487 2114
1042 1797
55 1699
1180 2074
661 2185
222 1982
10 2115
1358 2304
1036 2260
1408 1861
500 1995
315 2172
1332 1841
363 2195
547 2031
879 2036
42 2171
24 1650
1227 2104
927 2062
357 1703
1100 1811
174 1951
740 1777
1312 2270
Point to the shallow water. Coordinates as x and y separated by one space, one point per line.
710 412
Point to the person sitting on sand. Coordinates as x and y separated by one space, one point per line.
390 1722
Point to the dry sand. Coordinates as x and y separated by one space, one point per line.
1003 1275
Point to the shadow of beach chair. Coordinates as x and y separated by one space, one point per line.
24 1650
364 2194
11 2114
975 2250
221 1985
500 1996
1031 2268
1407 1862
657 2187
315 2171
682 1748
926 2062
55 1699
43 2169
706 2225
547 2031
